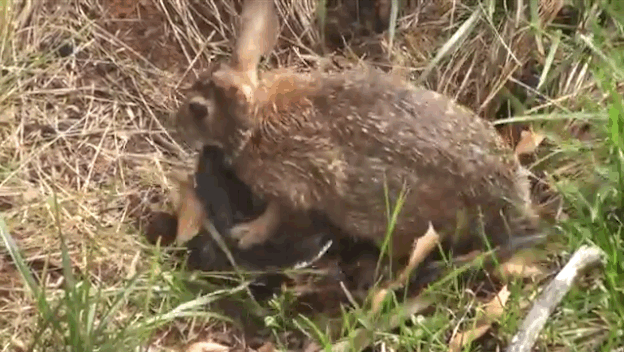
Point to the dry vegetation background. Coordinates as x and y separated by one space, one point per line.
87 88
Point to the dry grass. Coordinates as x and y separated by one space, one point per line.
83 146
87 87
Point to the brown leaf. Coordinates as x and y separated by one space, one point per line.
464 338
377 300
207 347
422 247
492 310
179 179
312 346
267 347
190 211
495 308
521 265
529 142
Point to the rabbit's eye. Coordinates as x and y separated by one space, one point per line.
198 110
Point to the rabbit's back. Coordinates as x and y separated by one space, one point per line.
386 118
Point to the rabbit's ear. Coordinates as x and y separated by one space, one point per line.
258 35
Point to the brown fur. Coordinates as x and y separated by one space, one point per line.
333 142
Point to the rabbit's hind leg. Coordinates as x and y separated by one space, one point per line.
259 230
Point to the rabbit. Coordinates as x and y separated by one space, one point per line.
347 144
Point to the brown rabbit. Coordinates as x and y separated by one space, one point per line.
341 144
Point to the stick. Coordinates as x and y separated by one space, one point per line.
525 338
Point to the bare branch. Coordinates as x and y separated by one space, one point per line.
551 296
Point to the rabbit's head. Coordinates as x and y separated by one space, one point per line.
216 108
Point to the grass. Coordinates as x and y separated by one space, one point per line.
84 151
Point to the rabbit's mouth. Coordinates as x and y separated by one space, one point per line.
194 139
200 143
209 143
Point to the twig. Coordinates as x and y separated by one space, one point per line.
551 296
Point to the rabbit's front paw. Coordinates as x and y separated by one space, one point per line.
250 233
259 230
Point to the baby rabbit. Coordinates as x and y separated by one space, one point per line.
347 144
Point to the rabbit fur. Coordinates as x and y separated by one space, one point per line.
349 144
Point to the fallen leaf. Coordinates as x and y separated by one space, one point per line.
464 338
180 180
312 346
267 347
522 265
190 211
528 143
378 298
207 347
132 270
492 310
422 247
495 308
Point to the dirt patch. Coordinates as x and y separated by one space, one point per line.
143 27
9 279
173 37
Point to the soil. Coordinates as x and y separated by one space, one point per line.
142 27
